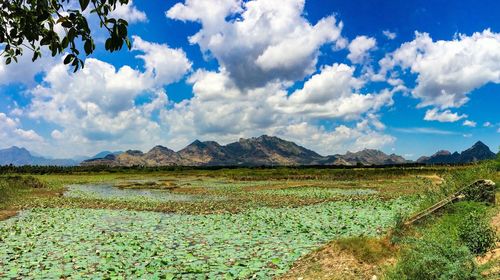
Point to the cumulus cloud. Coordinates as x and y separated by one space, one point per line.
259 41
447 71
130 13
12 134
95 107
389 35
95 104
360 47
333 93
487 124
164 64
442 116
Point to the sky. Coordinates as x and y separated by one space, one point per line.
405 77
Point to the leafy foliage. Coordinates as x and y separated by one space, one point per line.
476 233
33 24
456 179
435 260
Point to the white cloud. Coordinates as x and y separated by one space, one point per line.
166 65
129 13
360 47
498 130
12 134
24 71
389 35
95 107
333 93
442 116
264 41
487 124
447 71
96 103
469 123
56 134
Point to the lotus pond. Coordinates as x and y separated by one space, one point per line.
80 243
197 228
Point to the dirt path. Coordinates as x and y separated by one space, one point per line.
334 261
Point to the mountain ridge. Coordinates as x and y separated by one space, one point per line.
256 151
479 151
20 156
273 151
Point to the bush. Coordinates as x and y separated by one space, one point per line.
476 234
431 260
13 186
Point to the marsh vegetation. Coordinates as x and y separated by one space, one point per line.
229 223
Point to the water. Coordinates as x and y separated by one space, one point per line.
109 191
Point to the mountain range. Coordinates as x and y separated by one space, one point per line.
477 152
270 151
20 156
257 151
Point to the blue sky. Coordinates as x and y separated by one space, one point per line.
409 77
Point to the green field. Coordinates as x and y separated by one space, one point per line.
197 224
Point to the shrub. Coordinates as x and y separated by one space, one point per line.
431 260
12 186
456 179
476 234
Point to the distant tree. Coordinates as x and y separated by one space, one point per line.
31 24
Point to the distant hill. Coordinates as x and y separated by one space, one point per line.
367 157
104 154
479 151
20 156
255 151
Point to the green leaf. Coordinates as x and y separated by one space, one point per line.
88 47
84 4
66 24
68 59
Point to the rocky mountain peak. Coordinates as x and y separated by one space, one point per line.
160 149
478 151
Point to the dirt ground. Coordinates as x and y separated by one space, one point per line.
5 214
335 263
